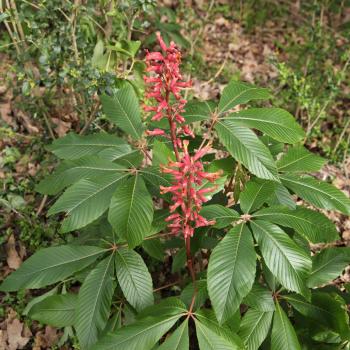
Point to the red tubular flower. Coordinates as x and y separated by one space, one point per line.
187 171
155 132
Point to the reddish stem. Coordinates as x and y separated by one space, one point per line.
189 259
190 310
172 125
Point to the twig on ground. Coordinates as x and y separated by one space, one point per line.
42 205
217 73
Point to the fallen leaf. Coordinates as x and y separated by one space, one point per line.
3 89
15 339
3 340
27 122
346 235
14 261
62 127
45 340
5 109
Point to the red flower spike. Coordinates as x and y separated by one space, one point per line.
187 171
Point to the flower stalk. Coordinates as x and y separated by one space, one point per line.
189 186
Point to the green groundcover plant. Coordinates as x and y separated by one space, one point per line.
221 201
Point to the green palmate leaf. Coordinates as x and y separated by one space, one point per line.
131 211
255 194
179 260
83 168
324 309
286 260
312 225
226 165
201 294
124 155
161 152
134 278
94 303
167 307
86 200
154 248
231 272
281 196
227 330
307 309
324 339
51 265
274 122
123 110
320 194
299 159
39 299
179 340
56 310
254 328
56 181
73 146
260 298
302 242
269 278
154 177
196 111
274 146
336 306
223 216
217 186
236 93
234 322
208 318
114 322
283 335
129 315
158 223
97 233
211 339
245 147
328 265
142 334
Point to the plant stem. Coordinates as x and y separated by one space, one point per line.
190 310
9 30
172 128
18 22
166 286
345 129
109 21
73 23
46 119
90 120
190 261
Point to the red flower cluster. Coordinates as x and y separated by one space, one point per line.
167 81
188 174
187 170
